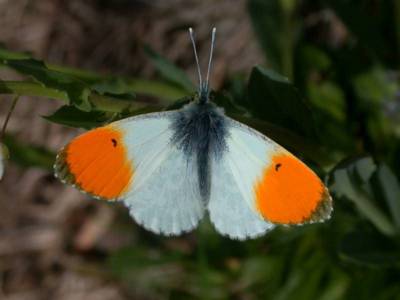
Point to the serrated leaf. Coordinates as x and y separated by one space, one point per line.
169 71
77 91
100 102
271 97
353 182
121 88
73 117
389 189
115 87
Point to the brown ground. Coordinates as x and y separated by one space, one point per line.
46 229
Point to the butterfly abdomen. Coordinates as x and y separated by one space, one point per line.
200 132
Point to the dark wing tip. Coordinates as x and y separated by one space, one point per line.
324 208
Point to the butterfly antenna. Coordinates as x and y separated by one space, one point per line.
211 55
195 55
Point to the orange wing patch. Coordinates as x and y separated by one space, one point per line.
97 163
289 192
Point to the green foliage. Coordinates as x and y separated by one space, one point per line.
276 18
339 110
379 37
80 88
355 182
73 117
29 155
77 92
169 71
273 98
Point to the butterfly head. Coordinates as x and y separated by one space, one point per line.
203 93
204 86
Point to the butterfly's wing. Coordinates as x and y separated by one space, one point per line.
133 160
257 184
228 209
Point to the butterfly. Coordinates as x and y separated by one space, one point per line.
169 168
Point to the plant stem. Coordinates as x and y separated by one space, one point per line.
14 103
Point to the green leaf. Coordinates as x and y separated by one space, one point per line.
83 75
370 249
225 101
28 155
77 91
389 188
353 182
115 87
275 26
153 88
336 289
288 139
28 88
266 18
6 54
313 58
73 117
328 97
375 86
169 71
100 102
271 97
330 113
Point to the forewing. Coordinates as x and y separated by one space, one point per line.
274 183
134 160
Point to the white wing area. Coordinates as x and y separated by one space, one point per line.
228 210
164 195
232 206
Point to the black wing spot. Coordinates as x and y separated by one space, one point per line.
277 166
114 142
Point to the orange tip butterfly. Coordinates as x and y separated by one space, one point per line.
170 167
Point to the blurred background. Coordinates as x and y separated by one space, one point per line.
339 111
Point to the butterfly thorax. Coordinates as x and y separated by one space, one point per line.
200 131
